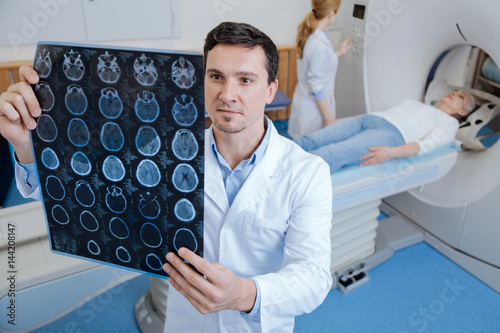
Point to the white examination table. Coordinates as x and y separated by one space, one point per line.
358 243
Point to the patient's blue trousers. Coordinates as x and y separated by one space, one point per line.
342 143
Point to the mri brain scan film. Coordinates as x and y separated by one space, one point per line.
119 152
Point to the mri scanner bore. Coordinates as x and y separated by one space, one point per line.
449 49
110 165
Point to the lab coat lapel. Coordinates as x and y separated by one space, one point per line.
214 186
261 181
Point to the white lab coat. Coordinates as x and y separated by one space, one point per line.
276 231
315 71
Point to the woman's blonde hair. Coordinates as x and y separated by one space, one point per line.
320 9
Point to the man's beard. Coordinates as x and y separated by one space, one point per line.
227 129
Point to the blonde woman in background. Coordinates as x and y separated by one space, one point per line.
313 104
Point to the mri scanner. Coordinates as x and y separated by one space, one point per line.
421 50
402 49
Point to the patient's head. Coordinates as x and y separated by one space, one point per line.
457 103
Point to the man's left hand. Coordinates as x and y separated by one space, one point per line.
218 288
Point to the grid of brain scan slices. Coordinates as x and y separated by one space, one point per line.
119 152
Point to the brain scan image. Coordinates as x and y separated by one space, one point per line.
73 66
151 235
184 110
110 103
45 96
118 152
148 173
122 254
149 206
107 68
80 164
75 99
184 145
113 168
55 188
185 238
89 221
147 108
183 73
118 228
46 128
78 132
60 215
50 159
112 136
147 141
43 64
184 178
93 247
115 200
154 262
184 210
84 194
145 71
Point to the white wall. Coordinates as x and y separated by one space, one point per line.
277 18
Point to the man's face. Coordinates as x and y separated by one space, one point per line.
236 88
457 100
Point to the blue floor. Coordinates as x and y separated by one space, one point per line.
111 311
417 290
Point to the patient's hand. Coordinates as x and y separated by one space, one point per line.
377 155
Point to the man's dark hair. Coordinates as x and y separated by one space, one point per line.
245 35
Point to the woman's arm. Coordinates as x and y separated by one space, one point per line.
345 46
326 115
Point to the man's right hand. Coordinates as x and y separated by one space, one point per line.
18 107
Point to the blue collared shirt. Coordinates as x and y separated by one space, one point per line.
234 179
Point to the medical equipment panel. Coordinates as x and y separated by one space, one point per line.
402 42
349 83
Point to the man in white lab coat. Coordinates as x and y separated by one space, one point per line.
267 202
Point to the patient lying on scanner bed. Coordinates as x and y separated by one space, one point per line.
405 130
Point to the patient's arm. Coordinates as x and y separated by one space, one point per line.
381 154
